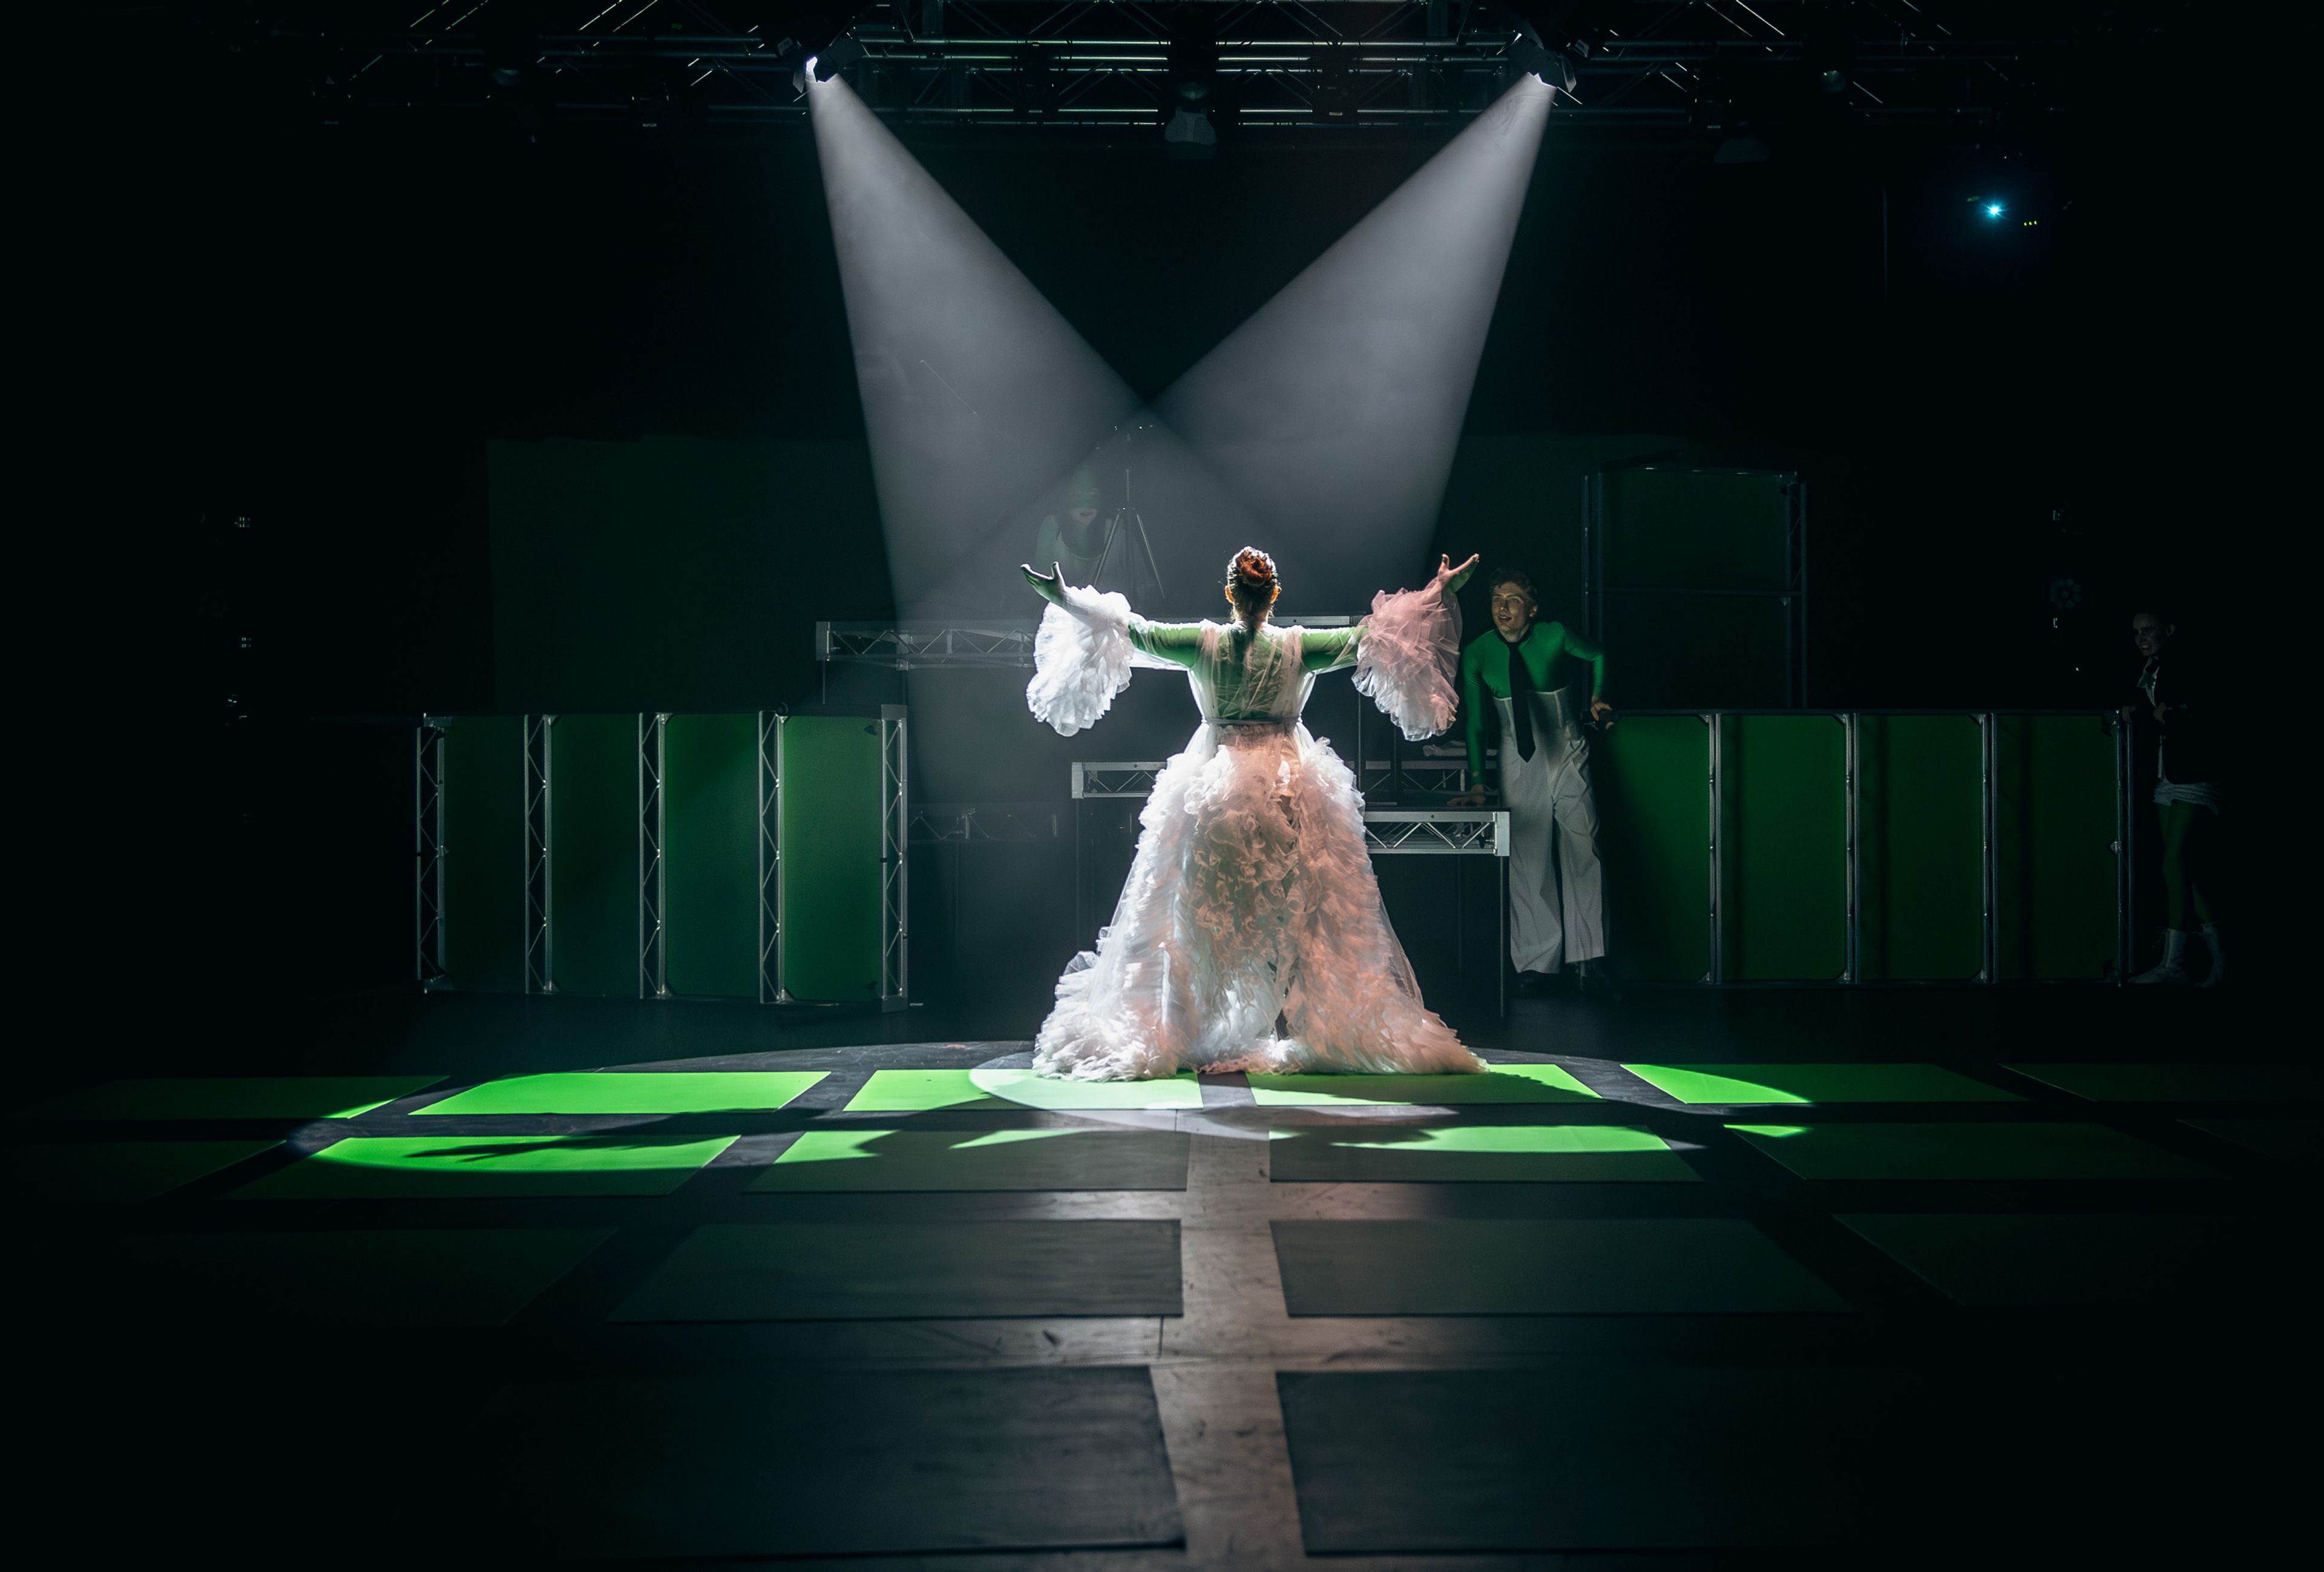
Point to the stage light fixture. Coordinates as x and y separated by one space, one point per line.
1559 67
1993 209
834 57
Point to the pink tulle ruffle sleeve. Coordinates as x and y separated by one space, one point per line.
1408 660
1082 658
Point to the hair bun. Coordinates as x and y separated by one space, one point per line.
1251 568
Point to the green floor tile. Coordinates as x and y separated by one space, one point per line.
967 1160
402 1166
1965 1151
2183 1083
119 1171
919 1091
2292 1140
1473 1153
236 1097
1817 1083
442 1277
617 1092
877 1270
1507 1083
1458 1266
2014 1259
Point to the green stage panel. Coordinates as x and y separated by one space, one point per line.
918 1091
1784 847
1507 1083
1817 1083
1966 1152
2183 1083
236 1097
2017 1259
613 1092
829 829
404 1167
1050 1159
593 853
710 854
116 1172
484 856
2054 837
1652 776
1920 824
1472 1154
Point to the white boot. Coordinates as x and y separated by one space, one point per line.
2173 967
2217 974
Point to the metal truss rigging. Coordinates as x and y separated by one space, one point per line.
1706 64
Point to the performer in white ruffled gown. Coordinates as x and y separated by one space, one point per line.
1252 902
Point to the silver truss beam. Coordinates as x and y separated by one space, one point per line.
653 885
428 894
895 862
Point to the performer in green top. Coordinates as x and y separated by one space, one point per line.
1521 683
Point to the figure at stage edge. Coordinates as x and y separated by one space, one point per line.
1249 935
1520 683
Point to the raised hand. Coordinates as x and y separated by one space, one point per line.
1453 578
1049 585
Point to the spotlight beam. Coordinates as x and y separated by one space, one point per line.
1335 411
977 394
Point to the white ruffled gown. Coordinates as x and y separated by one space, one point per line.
1252 901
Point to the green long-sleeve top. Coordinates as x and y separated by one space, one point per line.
1550 651
1181 644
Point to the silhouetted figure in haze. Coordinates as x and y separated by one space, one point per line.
2186 703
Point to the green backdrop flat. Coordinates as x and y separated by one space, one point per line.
404 1167
236 1097
1966 1152
2054 846
1784 847
623 1092
830 831
1817 1083
592 854
1652 776
710 854
1922 835
484 791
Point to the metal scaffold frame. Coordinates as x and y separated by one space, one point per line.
539 938
770 858
895 862
429 849
653 886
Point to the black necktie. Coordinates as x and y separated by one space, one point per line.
1521 699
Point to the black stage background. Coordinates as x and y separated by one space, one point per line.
324 329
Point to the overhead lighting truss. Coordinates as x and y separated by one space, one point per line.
1108 63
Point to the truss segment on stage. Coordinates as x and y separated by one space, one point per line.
428 813
985 642
1388 831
